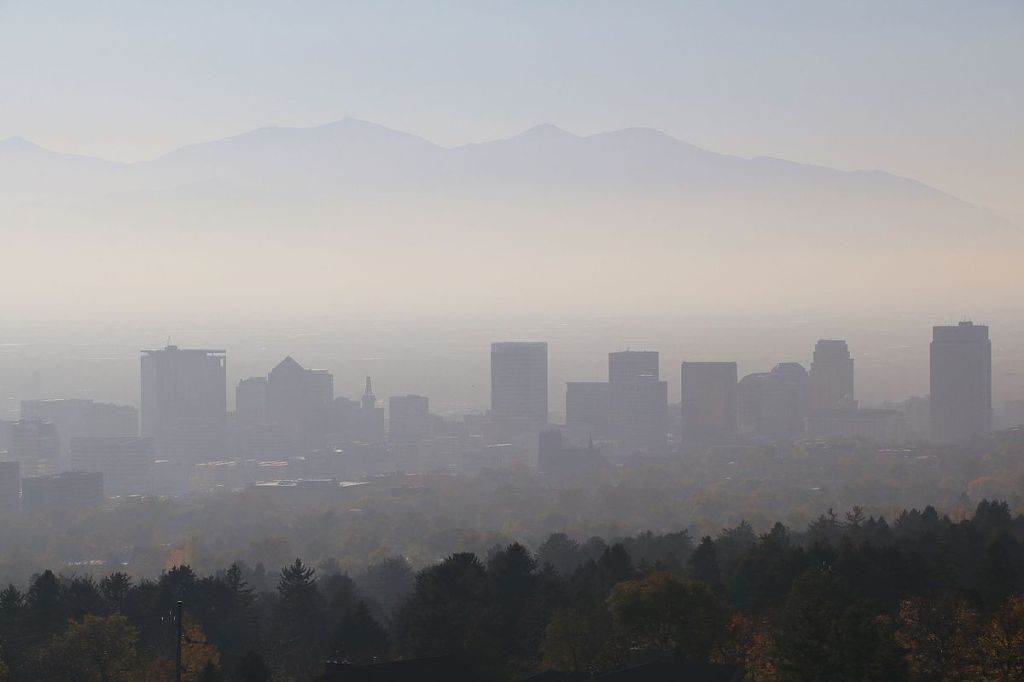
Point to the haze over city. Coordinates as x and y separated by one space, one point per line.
547 341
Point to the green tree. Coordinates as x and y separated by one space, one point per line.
940 637
823 633
210 673
45 609
446 609
300 612
703 563
359 638
252 668
100 649
387 583
669 612
560 552
999 577
579 639
115 589
242 594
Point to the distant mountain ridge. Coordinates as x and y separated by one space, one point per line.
351 159
649 149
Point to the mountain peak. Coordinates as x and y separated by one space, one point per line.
19 144
545 131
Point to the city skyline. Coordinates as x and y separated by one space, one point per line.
511 341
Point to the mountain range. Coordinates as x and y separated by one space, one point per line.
326 175
353 216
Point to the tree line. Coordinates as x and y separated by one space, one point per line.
850 597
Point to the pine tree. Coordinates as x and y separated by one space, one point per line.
301 616
359 637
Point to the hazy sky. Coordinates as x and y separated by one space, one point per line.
930 89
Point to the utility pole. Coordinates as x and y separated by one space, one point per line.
177 666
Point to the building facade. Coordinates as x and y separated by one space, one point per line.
961 383
708 403
519 387
830 379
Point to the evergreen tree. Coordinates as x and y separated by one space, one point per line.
241 593
446 609
703 563
252 668
823 633
560 552
387 583
300 611
359 638
115 589
45 608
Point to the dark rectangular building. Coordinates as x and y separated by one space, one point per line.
961 383
708 402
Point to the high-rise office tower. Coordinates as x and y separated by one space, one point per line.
10 489
961 383
251 401
179 385
773 404
79 417
630 365
708 402
586 411
408 417
126 462
830 380
299 400
519 386
69 491
35 443
637 404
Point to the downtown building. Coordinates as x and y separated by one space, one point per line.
519 390
66 492
637 404
78 417
830 380
772 405
586 412
184 402
126 462
961 383
299 402
708 403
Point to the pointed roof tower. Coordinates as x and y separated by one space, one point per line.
369 399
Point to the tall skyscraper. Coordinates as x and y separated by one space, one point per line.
68 491
35 443
79 417
251 401
637 403
630 365
519 386
126 462
182 385
830 380
586 411
299 400
961 383
708 402
10 490
773 405
408 417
